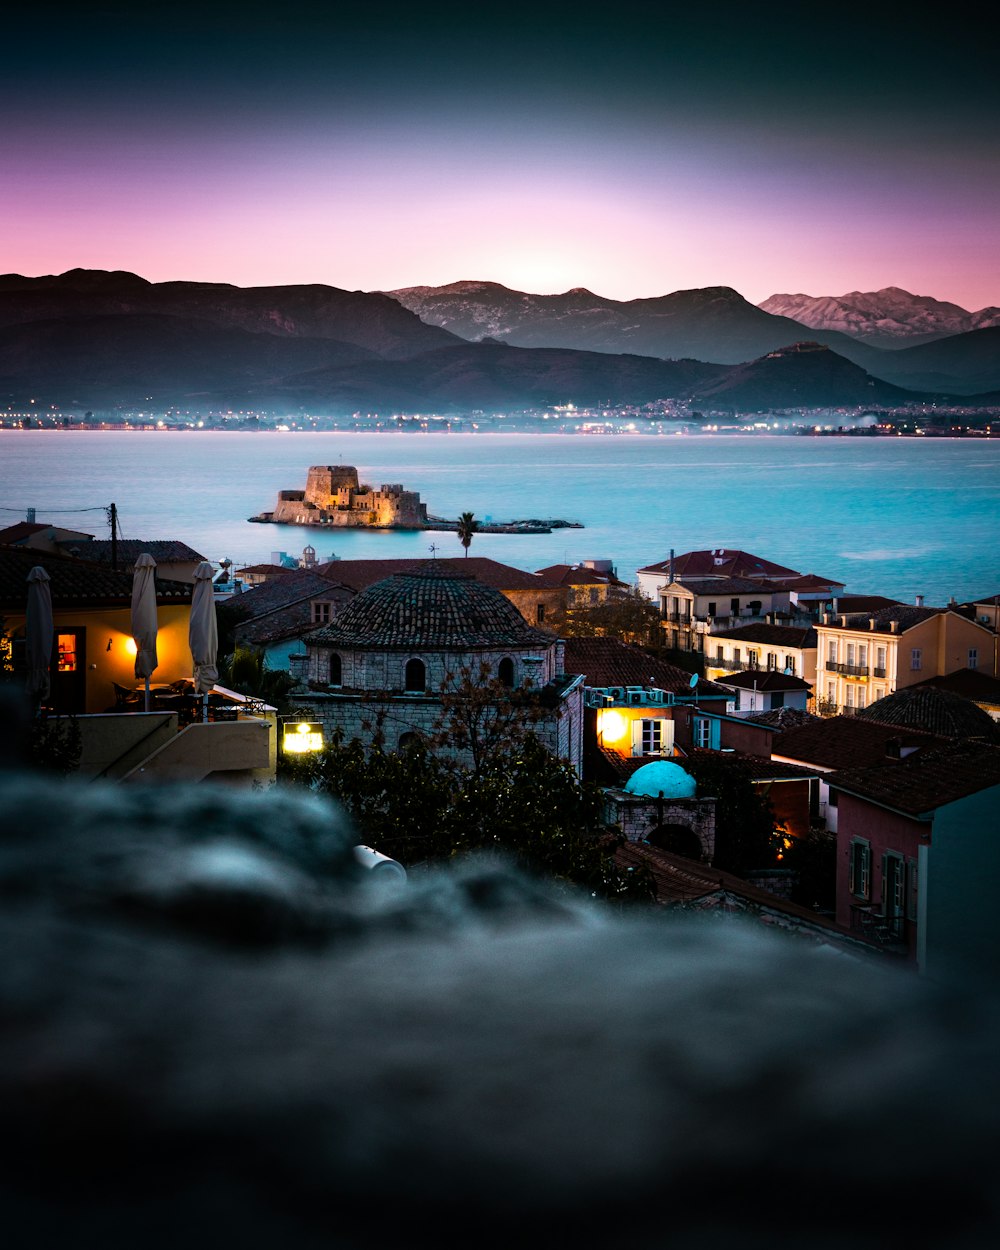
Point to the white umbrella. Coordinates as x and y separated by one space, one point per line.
203 633
144 618
38 634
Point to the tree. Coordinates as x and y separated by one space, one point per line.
246 671
480 716
744 821
629 617
467 526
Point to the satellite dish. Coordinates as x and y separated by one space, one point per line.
694 680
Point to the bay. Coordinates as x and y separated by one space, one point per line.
886 516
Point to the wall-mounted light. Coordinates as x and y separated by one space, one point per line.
130 646
612 726
302 737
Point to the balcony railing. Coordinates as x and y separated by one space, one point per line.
878 672
847 670
678 618
871 922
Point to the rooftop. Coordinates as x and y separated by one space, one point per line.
74 582
881 620
163 550
433 606
724 585
845 742
296 586
919 784
796 636
608 662
761 679
721 562
362 573
970 683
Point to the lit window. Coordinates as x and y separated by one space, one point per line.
652 737
66 647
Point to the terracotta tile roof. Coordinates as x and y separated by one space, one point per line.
679 881
21 530
362 573
726 585
796 636
576 575
297 586
163 550
845 742
727 564
294 621
432 607
608 662
808 581
782 718
904 615
74 582
263 570
921 783
970 683
761 679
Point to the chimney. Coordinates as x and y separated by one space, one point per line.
894 627
843 619
834 607
919 601
893 749
31 516
871 624
827 618
671 564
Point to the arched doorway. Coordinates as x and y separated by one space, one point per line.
677 839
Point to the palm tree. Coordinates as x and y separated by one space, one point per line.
467 526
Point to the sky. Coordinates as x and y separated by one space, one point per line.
634 150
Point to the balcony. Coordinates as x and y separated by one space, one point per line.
847 670
871 922
678 618
727 666
879 672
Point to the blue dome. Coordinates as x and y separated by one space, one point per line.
661 777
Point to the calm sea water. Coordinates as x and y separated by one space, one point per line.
891 516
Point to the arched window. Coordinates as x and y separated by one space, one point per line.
336 670
416 677
410 741
505 672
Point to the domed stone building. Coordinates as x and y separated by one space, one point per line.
387 657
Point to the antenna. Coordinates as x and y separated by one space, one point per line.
433 550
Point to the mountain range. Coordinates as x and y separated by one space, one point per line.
889 318
97 338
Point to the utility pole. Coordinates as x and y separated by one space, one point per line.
113 518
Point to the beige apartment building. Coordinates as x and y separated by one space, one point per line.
861 658
761 645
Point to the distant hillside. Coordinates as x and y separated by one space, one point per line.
889 318
964 364
807 375
714 324
372 321
491 377
127 359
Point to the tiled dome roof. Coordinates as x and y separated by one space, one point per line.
434 608
936 711
661 777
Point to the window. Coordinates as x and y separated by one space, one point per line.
652 737
850 655
505 672
880 661
863 654
777 698
416 677
916 661
540 614
973 658
702 732
861 696
790 664
712 609
734 607
831 655
753 659
321 613
336 671
736 655
860 865
718 655
68 661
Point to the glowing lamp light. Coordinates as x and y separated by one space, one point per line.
302 737
130 646
613 726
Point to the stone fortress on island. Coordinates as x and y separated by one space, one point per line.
334 496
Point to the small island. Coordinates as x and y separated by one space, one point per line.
335 497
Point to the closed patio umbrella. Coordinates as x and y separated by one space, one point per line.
38 631
203 633
144 618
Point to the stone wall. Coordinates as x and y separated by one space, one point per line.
637 816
